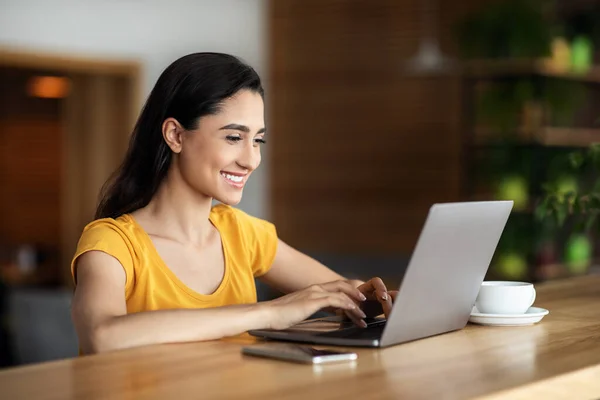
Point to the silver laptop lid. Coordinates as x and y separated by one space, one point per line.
446 269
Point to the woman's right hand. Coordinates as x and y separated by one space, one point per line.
295 307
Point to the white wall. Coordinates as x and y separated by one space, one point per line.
156 32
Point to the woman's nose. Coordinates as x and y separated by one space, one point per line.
250 157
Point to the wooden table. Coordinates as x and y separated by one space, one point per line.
557 358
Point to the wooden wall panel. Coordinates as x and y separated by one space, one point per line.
360 149
30 151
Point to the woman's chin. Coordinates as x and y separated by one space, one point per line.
229 199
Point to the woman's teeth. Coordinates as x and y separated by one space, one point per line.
237 179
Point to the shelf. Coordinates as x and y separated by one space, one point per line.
547 136
516 68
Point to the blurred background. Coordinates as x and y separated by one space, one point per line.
376 110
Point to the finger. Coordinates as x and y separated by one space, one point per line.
357 320
333 300
387 306
357 313
376 287
351 310
380 289
327 293
345 287
394 295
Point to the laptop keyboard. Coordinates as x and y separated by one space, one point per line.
373 331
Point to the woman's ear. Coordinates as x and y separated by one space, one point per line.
172 132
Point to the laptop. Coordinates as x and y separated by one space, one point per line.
438 289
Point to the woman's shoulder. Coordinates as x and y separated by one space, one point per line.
110 230
113 236
122 223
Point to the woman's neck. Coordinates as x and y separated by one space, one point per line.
177 212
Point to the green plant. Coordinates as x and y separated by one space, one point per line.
515 109
582 204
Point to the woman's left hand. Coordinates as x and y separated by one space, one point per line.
379 299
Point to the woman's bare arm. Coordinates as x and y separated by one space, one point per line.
100 314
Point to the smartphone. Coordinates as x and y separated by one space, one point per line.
298 353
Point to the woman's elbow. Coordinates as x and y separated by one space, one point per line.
99 339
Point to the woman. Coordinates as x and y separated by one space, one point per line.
160 264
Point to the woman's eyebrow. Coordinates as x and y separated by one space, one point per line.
242 128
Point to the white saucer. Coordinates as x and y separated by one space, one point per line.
531 316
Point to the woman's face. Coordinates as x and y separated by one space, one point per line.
217 158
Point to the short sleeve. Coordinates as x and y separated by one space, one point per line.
106 236
260 237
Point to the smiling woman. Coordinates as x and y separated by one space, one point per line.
159 263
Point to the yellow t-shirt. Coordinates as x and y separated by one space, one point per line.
249 246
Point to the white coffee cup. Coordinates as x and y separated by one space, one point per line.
505 297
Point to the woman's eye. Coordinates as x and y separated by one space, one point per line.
234 138
261 141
